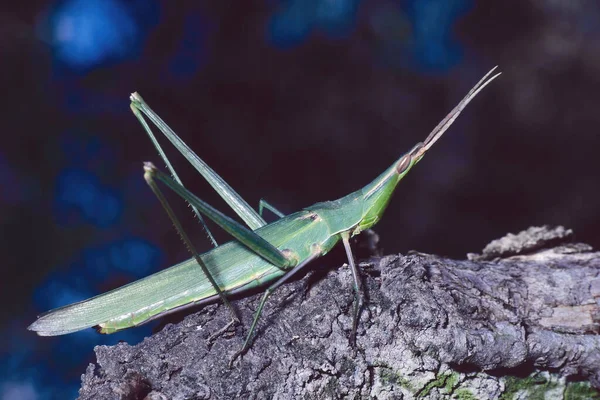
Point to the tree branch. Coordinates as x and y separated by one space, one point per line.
519 317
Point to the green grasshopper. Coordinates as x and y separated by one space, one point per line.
261 253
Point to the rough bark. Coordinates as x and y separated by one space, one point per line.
520 319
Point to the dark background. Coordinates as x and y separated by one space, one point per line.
294 101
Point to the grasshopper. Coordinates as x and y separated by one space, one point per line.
261 254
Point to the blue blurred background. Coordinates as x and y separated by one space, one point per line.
294 101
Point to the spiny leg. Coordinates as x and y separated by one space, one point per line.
262 204
358 300
163 155
186 240
282 259
315 254
231 197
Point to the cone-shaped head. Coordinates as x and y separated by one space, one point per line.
377 194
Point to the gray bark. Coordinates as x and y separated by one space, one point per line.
518 320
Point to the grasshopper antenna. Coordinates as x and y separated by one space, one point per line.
444 124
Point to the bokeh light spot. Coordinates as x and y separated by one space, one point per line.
22 390
80 193
88 32
292 24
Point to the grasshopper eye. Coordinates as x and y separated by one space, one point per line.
403 164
